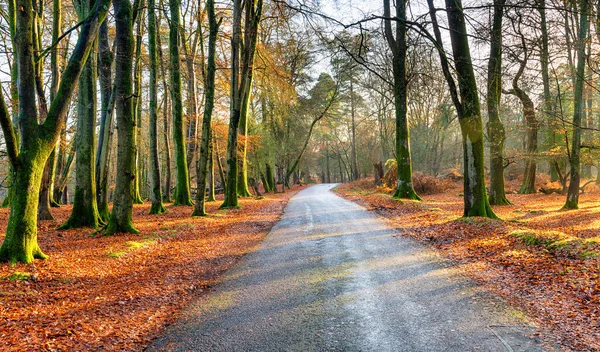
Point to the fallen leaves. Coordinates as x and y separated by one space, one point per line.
118 292
542 259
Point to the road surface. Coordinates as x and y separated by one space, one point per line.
331 276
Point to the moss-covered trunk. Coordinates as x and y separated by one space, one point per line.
121 219
20 244
528 185
157 206
211 171
209 101
137 98
269 178
495 128
230 191
252 19
182 189
476 201
103 152
575 158
85 209
242 181
44 212
397 43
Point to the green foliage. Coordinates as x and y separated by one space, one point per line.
18 275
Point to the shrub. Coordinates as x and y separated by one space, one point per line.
427 184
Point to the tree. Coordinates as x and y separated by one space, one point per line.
579 104
528 185
404 187
137 99
182 191
323 95
241 82
121 219
107 105
37 140
466 102
253 14
209 100
495 128
85 209
156 194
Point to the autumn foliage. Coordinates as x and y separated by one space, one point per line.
118 292
543 260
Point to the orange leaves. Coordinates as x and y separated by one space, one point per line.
541 259
85 299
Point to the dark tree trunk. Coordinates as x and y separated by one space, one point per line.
182 191
211 171
107 99
209 100
137 103
230 195
253 14
496 132
166 125
476 202
121 219
404 187
85 209
575 162
156 194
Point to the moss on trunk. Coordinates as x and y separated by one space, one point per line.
121 219
182 191
156 194
209 100
85 209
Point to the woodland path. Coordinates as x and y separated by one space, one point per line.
331 276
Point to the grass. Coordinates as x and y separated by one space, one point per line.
558 243
132 246
18 275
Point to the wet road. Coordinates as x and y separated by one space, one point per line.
332 277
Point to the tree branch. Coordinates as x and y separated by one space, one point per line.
9 132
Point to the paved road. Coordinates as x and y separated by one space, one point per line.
332 277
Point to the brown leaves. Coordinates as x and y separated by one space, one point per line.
543 260
84 298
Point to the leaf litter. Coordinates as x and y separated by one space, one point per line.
119 292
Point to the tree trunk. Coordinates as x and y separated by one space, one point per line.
182 191
166 125
467 105
209 100
404 187
211 171
270 178
253 14
355 175
107 99
137 103
496 132
85 209
156 194
121 219
575 164
230 195
192 105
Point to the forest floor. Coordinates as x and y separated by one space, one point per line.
119 292
543 260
